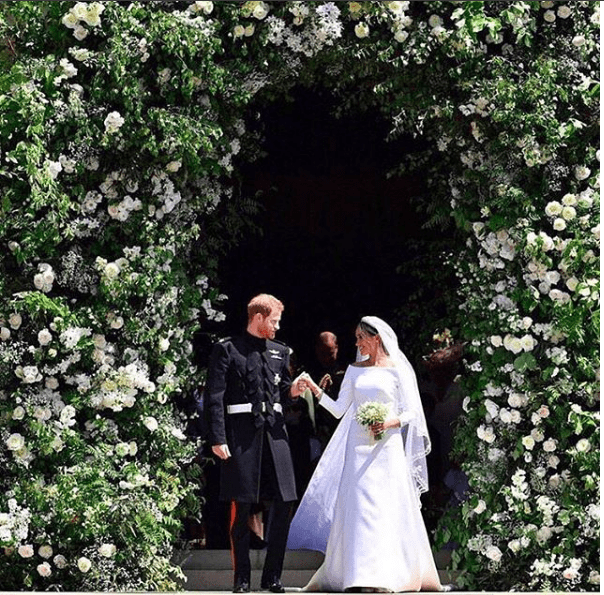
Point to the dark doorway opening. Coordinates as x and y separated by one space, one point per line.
334 227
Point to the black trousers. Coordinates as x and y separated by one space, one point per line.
277 526
276 523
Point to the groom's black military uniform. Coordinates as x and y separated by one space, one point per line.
248 382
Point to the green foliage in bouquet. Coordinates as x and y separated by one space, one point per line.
370 413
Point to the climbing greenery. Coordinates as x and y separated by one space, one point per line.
123 126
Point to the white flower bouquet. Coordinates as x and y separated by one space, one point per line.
370 413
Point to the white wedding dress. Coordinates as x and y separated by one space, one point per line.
362 508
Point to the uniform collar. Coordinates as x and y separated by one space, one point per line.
258 342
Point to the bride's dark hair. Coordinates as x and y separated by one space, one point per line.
372 332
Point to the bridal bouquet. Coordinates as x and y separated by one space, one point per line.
370 413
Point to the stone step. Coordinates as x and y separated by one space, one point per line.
211 570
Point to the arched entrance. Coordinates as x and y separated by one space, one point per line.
334 227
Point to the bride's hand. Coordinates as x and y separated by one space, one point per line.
378 428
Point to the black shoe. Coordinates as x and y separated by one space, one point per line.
241 586
274 586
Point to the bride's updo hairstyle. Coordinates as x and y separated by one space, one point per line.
371 331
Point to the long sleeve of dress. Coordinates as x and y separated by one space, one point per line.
338 408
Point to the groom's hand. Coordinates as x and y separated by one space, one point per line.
221 451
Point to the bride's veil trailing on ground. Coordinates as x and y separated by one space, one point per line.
312 522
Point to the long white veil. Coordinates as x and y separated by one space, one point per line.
311 524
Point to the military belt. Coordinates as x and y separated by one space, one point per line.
247 408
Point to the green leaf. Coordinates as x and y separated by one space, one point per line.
525 362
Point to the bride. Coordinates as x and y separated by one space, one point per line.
362 506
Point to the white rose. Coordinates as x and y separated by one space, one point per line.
260 11
44 569
549 16
164 344
515 545
563 12
512 344
480 507
570 574
84 564
113 122
18 413
238 31
150 423
537 435
569 200
550 445
111 271
528 442
583 445
133 448
51 383
559 224
569 213
528 342
544 534
70 20
582 172
45 551
553 209
173 166
15 442
80 32
26 551
4 334
435 21
496 341
401 35
60 561
15 321
361 30
578 40
543 411
493 553
117 323
553 461
44 337
107 550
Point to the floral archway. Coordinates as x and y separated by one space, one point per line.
121 128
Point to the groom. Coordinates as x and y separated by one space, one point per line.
248 382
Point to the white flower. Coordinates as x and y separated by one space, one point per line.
578 40
26 551
44 569
583 445
544 534
528 342
260 11
550 445
493 553
401 35
44 337
569 213
543 411
164 344
113 122
582 172
52 383
512 344
69 70
559 224
80 33
480 507
553 209
112 271
570 574
361 30
528 442
549 16
435 21
563 12
206 7
60 561
238 31
173 166
4 334
15 321
18 413
150 423
53 168
496 341
45 551
107 550
28 374
84 564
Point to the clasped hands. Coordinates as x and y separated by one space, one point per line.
303 382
